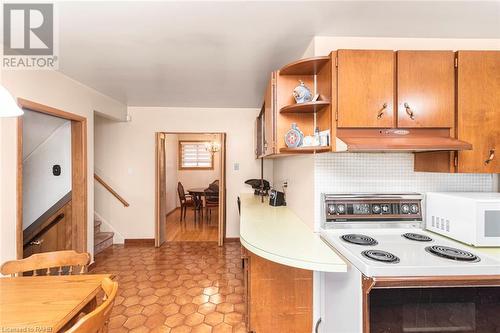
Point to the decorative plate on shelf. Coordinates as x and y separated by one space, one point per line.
294 137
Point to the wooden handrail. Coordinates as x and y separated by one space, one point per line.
113 192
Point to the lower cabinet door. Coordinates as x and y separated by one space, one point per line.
279 297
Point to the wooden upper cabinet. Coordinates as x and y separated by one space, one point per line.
478 107
269 118
366 82
426 89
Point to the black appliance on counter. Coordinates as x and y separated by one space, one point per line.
277 198
260 186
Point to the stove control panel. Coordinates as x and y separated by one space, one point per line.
345 208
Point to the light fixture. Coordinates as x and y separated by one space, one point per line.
212 147
8 105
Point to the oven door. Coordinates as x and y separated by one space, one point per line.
437 309
488 228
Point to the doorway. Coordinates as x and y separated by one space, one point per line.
190 187
61 222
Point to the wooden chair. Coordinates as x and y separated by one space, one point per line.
186 200
97 320
49 263
211 201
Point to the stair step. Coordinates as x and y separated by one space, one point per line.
97 226
102 240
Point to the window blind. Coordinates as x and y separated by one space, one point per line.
195 155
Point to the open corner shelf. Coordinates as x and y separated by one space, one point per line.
305 150
309 66
308 107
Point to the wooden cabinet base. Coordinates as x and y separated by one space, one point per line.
279 297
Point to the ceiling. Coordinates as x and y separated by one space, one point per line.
220 54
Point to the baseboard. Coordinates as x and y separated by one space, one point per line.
231 239
140 241
106 226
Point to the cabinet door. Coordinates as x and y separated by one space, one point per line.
426 89
478 105
366 84
269 118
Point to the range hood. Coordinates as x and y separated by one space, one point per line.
396 140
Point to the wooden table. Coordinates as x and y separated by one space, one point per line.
45 303
197 193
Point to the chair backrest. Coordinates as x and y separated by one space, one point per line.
211 196
97 320
214 186
180 191
49 262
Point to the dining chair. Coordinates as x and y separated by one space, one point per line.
211 201
97 320
48 263
186 200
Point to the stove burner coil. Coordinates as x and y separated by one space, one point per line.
452 253
359 239
417 237
382 256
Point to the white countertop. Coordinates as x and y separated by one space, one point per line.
277 234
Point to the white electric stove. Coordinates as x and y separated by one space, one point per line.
381 235
401 278
421 254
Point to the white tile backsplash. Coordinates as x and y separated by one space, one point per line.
385 172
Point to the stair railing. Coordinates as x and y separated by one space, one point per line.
110 189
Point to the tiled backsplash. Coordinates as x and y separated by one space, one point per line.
385 172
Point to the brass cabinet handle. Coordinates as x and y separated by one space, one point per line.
491 157
37 242
409 111
381 112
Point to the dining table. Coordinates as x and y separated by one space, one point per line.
197 193
46 303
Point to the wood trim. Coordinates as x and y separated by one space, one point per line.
222 191
79 174
79 185
30 105
41 222
179 157
367 284
436 281
140 242
231 239
308 66
110 189
19 188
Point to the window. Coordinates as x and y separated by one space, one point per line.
194 155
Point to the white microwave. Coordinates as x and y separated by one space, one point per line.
469 217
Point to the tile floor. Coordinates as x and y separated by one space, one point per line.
181 287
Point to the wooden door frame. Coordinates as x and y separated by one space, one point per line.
221 232
78 174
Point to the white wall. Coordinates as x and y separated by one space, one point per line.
41 189
298 172
125 154
199 178
56 90
171 148
37 127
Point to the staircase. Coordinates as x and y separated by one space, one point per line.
102 239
